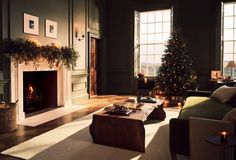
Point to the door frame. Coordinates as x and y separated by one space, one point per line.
96 36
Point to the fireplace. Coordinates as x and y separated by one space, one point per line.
56 81
39 90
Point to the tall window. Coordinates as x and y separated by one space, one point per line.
229 36
152 30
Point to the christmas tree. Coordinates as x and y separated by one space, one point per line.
175 75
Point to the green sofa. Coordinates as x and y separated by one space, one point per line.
204 107
198 105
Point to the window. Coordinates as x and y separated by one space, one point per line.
152 30
229 36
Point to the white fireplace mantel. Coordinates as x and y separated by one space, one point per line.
63 84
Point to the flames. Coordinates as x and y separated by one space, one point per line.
30 92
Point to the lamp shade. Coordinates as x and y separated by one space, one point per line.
231 64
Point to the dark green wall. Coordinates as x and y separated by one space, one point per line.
199 21
44 9
85 14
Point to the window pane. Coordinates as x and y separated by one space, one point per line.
166 15
234 9
158 49
227 72
228 9
158 38
158 16
166 37
151 49
228 22
143 49
228 34
144 69
143 17
158 27
143 28
151 16
151 38
166 27
234 21
143 39
151 28
150 59
143 60
158 59
228 47
228 57
234 48
234 34
151 70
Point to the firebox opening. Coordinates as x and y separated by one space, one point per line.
39 90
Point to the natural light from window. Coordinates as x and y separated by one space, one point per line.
151 33
229 36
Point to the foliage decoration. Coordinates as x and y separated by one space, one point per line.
69 57
24 51
175 75
53 54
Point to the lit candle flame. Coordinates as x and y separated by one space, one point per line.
145 80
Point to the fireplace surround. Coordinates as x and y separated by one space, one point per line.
63 84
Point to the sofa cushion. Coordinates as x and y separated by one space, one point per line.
224 93
204 107
231 116
232 101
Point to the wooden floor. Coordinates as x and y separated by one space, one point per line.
24 133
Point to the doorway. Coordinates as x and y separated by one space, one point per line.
95 66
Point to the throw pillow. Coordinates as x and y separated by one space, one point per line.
224 93
230 116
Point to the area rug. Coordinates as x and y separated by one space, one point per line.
72 141
50 115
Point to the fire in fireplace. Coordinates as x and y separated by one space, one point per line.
40 90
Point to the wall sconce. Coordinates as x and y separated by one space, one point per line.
79 38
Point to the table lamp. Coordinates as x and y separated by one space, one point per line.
231 65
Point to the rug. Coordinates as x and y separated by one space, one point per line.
50 115
72 141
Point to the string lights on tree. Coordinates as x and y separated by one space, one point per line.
175 75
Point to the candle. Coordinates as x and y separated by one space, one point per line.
145 80
179 104
224 136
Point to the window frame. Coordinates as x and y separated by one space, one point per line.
233 40
137 47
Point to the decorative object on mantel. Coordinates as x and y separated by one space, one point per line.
175 75
25 51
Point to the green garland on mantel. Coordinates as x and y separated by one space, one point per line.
24 51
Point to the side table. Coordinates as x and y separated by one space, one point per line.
218 83
215 140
